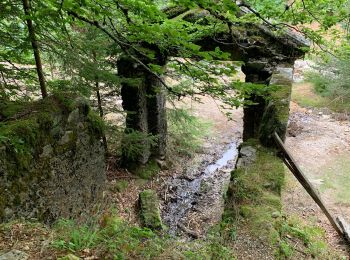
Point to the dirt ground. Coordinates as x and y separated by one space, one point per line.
320 143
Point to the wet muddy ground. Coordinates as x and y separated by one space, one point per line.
194 200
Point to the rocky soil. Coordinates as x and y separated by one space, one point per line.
320 142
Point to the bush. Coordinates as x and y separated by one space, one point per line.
331 77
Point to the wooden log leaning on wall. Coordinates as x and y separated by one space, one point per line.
339 224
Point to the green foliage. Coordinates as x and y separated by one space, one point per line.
331 78
296 236
186 132
77 238
113 238
133 142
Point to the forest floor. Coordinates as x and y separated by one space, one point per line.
318 139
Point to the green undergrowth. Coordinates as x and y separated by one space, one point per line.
186 132
306 95
110 237
337 179
299 240
113 238
133 143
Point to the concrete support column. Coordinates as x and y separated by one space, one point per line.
157 121
270 112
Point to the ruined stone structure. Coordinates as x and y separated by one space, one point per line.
144 101
268 57
52 161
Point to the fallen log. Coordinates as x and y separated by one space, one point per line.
340 225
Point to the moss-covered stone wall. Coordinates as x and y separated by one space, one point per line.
51 159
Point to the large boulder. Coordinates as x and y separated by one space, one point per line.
51 159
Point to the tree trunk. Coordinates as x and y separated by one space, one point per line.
100 109
31 30
99 103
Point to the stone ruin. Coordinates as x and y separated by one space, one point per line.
268 58
52 161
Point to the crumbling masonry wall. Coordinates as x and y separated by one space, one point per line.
52 161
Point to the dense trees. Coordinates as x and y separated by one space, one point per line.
133 27
75 46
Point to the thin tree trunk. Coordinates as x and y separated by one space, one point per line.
100 109
99 104
31 30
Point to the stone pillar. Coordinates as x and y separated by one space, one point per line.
134 95
144 100
258 73
276 113
157 122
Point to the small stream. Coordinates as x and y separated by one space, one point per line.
195 200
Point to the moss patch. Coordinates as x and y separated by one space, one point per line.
121 185
276 115
147 171
254 194
150 214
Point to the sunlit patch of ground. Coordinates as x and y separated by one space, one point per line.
337 180
303 93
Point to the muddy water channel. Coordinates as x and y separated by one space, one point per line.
194 200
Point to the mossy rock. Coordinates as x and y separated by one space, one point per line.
150 213
39 147
148 170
